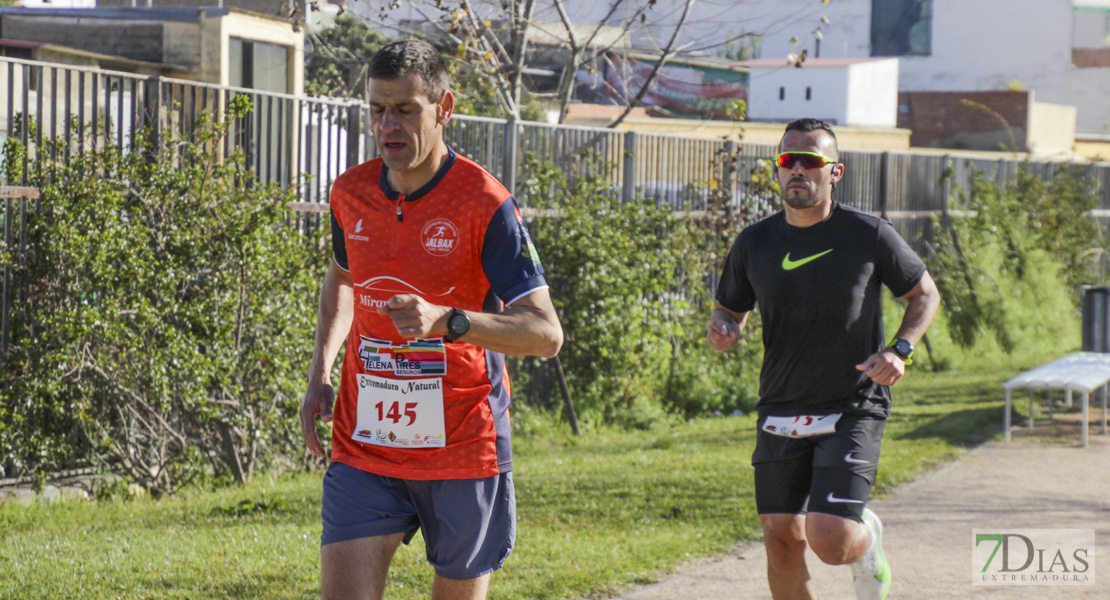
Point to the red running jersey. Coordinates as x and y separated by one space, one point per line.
427 409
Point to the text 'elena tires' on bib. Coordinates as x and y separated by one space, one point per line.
401 413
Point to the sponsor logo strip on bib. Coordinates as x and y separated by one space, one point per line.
419 358
801 425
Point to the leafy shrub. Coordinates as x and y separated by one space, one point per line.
1008 267
168 314
703 381
613 270
632 284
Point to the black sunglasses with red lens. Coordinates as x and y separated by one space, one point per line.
810 160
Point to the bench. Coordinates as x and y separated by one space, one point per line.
1079 372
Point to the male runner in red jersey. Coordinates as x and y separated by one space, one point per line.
433 280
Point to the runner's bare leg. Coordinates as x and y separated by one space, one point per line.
784 536
356 569
455 589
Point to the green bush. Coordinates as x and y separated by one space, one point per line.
706 382
336 57
1009 265
631 282
703 381
613 270
167 319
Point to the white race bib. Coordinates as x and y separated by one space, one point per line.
400 413
802 425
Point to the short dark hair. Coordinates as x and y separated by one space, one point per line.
808 125
404 57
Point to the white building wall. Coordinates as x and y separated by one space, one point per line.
873 94
986 44
828 94
977 45
848 34
859 94
1089 27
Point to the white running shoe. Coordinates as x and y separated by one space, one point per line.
871 573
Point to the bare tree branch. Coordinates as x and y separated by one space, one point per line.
570 72
667 51
139 400
518 44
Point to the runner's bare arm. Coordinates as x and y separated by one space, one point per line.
921 306
333 324
724 328
530 327
885 367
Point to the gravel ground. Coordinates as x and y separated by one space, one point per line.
1043 480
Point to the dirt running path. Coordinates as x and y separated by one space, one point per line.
1032 483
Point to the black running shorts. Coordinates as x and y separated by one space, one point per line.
830 474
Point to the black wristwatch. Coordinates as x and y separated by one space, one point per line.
457 325
902 348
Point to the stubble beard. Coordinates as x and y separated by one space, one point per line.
404 162
800 201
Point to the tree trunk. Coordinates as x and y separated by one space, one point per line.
522 16
231 454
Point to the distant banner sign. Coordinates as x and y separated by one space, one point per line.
687 91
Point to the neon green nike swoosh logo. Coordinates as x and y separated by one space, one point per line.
790 265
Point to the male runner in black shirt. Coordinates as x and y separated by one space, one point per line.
816 270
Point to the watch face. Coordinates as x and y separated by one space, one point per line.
904 348
458 324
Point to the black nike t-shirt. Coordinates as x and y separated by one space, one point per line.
818 292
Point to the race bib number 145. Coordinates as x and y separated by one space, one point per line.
405 413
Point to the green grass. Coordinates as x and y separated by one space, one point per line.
596 513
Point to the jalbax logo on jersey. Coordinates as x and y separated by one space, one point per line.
439 237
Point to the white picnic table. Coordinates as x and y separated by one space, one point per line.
1079 372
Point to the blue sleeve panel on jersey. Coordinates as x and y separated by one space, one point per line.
509 259
338 244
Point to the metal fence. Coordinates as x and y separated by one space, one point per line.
17 203
304 143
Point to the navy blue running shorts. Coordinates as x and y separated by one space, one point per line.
831 474
469 525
